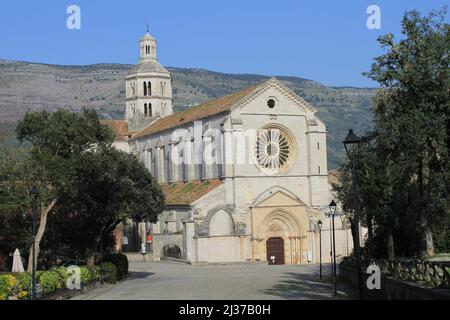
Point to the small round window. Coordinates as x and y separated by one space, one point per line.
271 103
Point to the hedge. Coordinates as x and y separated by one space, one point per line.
18 285
110 272
120 261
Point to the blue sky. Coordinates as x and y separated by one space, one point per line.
326 41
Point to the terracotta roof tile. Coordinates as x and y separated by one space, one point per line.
185 193
206 109
119 127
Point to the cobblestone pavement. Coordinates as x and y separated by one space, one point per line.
174 280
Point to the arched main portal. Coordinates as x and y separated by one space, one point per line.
280 238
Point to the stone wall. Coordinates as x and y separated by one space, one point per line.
391 289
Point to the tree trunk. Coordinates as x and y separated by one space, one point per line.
40 234
369 236
353 229
426 242
426 246
390 245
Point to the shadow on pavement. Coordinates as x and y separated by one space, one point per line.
133 275
300 286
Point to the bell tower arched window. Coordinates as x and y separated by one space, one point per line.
145 88
149 88
149 109
145 109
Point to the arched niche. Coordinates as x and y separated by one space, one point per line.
221 224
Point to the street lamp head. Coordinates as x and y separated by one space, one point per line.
351 138
332 206
319 224
34 191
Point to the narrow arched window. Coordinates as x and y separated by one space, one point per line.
162 88
145 88
150 109
145 109
149 88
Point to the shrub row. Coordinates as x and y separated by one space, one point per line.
18 285
120 261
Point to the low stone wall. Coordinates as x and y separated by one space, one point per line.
137 257
391 289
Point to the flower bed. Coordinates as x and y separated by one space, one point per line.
16 286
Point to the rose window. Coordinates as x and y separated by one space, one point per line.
273 150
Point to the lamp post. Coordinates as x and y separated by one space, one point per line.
319 224
331 214
34 192
331 248
350 139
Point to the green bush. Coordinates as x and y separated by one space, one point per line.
64 275
18 286
109 272
94 273
121 263
85 275
23 285
7 284
50 281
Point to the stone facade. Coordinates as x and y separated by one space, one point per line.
245 175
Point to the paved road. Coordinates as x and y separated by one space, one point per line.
173 280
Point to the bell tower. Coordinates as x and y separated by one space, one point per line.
147 47
148 88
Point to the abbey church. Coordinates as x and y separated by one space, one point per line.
245 176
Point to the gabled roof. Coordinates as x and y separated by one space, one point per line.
119 127
185 193
204 110
222 104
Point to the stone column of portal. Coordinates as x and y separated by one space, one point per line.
317 247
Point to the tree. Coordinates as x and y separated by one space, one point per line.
58 141
374 197
83 178
412 117
112 187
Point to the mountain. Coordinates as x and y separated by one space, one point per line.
28 86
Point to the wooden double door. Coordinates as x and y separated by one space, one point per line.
275 250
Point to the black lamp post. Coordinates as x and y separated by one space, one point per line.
319 224
349 140
34 192
331 248
332 213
